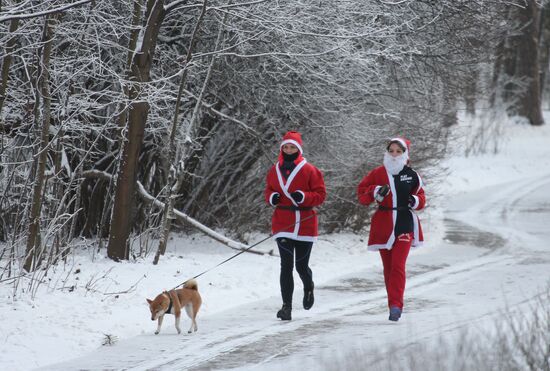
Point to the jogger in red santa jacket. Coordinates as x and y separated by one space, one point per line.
395 227
294 187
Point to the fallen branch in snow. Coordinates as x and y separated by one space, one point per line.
12 278
181 216
129 290
109 339
201 227
94 280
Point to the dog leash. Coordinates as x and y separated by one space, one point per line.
245 250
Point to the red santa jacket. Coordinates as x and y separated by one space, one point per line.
305 178
382 229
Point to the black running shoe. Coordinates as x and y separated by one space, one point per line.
309 299
285 313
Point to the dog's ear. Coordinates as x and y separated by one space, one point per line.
149 301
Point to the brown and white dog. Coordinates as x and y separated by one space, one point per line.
173 301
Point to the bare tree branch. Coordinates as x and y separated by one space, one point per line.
44 12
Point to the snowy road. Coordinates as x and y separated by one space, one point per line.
494 255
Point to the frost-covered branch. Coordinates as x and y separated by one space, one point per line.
186 218
9 17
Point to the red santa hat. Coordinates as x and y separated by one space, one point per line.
293 137
403 143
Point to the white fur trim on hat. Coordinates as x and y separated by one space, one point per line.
403 143
292 141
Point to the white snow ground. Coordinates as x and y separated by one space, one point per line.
486 250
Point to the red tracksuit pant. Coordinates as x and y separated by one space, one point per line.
394 269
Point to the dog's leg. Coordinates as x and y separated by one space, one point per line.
178 324
191 314
176 309
196 306
194 319
195 323
159 324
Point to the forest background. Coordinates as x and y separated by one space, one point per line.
123 120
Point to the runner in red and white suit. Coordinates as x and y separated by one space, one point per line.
395 227
294 187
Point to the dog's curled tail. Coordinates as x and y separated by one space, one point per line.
191 284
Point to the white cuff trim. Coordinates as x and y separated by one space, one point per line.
416 202
376 192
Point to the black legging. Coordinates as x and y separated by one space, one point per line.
286 251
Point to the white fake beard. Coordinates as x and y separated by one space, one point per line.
394 164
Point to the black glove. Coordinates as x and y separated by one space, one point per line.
276 199
412 201
382 193
297 196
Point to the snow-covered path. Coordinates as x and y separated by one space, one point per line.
495 255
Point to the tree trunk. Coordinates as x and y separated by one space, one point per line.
470 93
122 216
497 72
134 35
509 67
529 104
6 61
33 253
449 110
505 66
544 47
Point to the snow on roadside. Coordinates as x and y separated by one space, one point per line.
512 150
